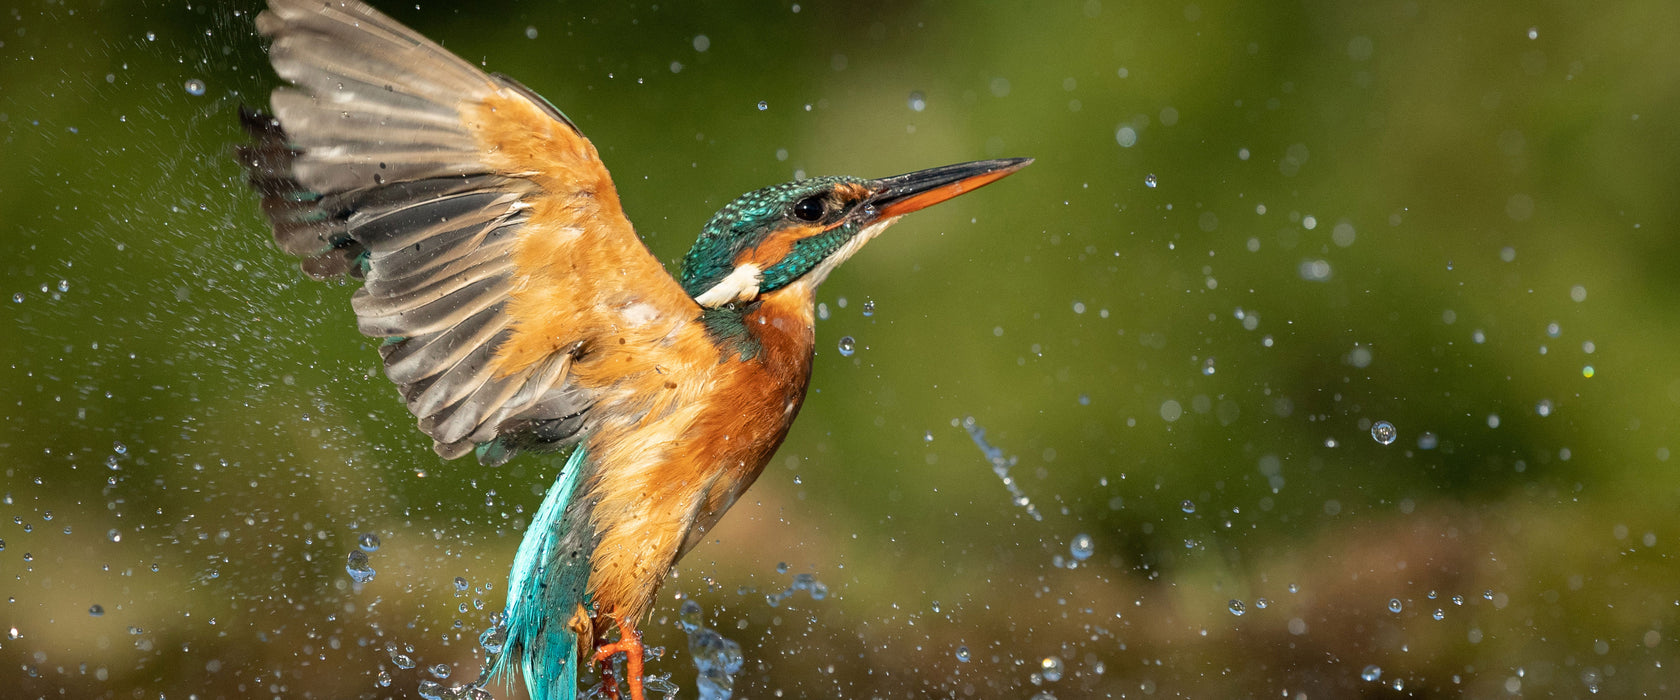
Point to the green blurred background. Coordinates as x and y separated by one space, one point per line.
1253 231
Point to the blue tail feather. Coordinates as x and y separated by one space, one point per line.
547 584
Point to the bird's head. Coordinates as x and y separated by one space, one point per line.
801 230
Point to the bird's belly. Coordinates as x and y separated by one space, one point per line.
672 480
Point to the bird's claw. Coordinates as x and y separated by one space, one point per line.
629 644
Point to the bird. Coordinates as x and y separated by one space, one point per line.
520 311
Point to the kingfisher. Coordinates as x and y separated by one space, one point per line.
521 312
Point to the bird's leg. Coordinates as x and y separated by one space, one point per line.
630 643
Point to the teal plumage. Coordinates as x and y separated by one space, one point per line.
548 581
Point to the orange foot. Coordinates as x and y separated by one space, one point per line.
630 644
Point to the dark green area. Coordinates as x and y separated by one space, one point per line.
1457 218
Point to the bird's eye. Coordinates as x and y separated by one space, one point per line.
810 208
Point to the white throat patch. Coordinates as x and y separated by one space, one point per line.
740 285
847 250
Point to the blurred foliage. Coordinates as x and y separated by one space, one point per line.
1253 231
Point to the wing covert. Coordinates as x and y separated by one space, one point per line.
494 255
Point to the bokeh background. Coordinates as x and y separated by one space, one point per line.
1253 232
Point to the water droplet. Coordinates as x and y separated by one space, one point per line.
359 569
64 285
1394 605
368 541
1439 614
1533 32
1371 673
493 639
688 616
962 654
1081 547
531 32
460 584
1237 607
869 307
441 670
195 87
762 105
1544 408
1384 432
917 101
384 678
1052 668
1207 367
17 298
848 345
120 448
97 610
1150 181
431 690
113 535
1187 506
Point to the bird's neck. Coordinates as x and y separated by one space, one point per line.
777 328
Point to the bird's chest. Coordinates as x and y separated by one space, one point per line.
667 479
754 407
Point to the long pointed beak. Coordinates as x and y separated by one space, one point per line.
901 194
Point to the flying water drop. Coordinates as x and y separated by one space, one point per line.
917 101
359 569
195 87
848 345
1371 672
1384 432
1150 181
1051 668
1081 547
1237 608
368 541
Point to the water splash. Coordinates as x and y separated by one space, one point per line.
1001 463
801 582
716 659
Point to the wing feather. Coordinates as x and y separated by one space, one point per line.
496 260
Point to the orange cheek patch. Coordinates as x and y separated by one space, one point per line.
776 246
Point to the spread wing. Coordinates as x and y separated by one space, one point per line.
494 256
